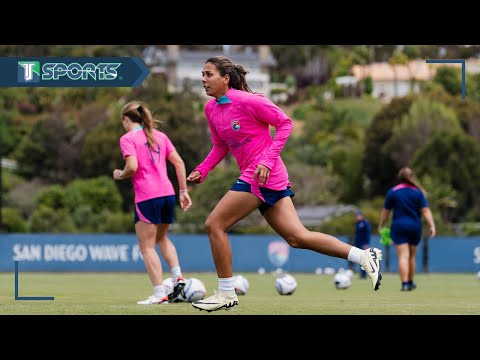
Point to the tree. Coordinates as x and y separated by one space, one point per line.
450 78
377 165
415 128
368 85
452 159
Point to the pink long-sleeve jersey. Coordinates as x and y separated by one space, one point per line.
239 122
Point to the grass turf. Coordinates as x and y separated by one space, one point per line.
117 294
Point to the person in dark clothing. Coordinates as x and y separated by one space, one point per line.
362 236
407 200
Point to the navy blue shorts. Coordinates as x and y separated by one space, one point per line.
403 235
159 210
268 196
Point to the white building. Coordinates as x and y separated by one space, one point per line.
184 67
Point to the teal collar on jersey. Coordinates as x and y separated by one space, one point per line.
137 128
223 100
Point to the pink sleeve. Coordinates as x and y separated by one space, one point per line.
169 146
265 110
127 146
218 152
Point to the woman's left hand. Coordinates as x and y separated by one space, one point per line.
185 201
117 174
263 174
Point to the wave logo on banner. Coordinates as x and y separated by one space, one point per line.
278 252
72 72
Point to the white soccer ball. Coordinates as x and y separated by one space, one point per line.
285 284
342 281
478 275
349 273
168 284
241 285
194 290
329 270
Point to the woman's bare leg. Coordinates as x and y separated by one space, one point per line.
146 239
233 207
283 218
167 249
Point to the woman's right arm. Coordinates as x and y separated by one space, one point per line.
427 214
217 154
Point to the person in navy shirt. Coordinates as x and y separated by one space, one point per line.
362 236
408 202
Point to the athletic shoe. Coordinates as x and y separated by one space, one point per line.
406 287
220 300
152 300
370 262
177 290
414 286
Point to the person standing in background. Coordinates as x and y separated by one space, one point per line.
362 236
146 151
408 201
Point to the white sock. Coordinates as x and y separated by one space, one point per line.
176 272
226 284
159 291
355 255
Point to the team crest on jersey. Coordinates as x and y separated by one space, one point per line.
236 125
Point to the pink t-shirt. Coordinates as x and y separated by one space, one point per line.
239 122
151 178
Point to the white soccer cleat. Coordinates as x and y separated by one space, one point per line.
371 264
220 300
152 300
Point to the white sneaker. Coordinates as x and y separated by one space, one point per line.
371 264
152 300
220 300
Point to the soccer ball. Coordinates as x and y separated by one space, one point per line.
286 284
241 285
168 284
342 281
329 270
194 290
349 273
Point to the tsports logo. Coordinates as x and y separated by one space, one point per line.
28 71
72 71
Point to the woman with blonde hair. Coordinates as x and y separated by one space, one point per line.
146 151
408 201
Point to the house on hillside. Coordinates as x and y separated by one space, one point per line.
397 80
391 81
184 67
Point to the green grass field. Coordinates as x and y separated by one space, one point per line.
117 293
